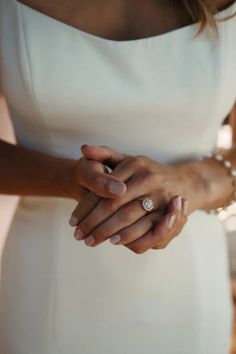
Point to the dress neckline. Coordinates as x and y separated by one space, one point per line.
123 42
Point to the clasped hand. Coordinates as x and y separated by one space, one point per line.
122 219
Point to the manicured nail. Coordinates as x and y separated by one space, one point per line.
171 221
89 241
78 234
179 203
73 220
115 239
116 187
185 207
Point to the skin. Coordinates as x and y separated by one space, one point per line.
120 19
87 180
27 172
99 219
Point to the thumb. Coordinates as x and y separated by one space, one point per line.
103 154
94 178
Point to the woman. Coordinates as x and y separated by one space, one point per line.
129 76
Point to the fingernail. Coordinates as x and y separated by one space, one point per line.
185 207
115 239
171 221
73 220
78 234
116 187
89 241
178 202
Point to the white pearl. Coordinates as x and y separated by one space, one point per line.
219 157
233 173
227 164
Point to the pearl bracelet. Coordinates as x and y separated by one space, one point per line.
228 165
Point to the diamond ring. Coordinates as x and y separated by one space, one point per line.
147 204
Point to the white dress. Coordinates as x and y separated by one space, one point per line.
165 97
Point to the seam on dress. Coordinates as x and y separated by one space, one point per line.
28 68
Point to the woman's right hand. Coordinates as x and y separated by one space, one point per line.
92 176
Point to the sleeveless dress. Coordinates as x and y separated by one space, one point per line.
164 97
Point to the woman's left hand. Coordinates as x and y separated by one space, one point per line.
124 220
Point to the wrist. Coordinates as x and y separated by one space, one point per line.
210 183
66 178
192 184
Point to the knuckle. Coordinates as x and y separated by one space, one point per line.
149 177
134 161
142 157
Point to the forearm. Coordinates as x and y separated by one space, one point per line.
210 181
29 172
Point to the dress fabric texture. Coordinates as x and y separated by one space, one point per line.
164 97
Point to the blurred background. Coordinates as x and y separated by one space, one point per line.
227 137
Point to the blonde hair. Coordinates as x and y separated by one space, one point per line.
203 12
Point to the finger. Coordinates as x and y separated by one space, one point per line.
103 154
137 229
83 208
125 170
127 215
123 217
97 181
122 172
170 226
108 207
175 223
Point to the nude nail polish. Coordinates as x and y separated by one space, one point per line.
116 187
179 203
73 220
78 234
115 239
185 207
89 241
171 221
